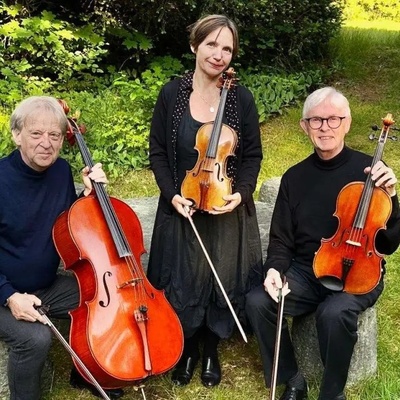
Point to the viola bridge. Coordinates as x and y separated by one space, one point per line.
353 243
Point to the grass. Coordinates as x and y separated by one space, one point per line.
367 63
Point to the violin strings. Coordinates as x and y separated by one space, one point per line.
365 201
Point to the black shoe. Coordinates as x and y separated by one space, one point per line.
211 371
183 372
340 396
291 393
78 382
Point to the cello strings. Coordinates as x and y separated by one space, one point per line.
113 222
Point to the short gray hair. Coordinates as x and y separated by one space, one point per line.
318 96
33 104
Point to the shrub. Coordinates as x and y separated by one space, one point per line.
118 118
274 33
45 47
273 92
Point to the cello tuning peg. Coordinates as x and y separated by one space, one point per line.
374 127
372 136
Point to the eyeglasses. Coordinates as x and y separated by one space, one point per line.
316 122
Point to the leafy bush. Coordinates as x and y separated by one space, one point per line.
274 33
45 47
6 142
118 118
273 92
286 34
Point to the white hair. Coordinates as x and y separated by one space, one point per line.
320 95
33 104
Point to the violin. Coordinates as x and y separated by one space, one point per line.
348 260
207 183
123 329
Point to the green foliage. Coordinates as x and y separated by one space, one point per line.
40 47
372 10
285 34
6 142
274 33
273 92
118 118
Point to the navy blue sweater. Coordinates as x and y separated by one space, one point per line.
30 202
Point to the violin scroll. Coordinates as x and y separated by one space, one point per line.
228 81
388 123
388 120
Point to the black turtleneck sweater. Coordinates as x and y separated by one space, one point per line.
30 202
305 205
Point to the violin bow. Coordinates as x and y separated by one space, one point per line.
215 274
42 311
281 302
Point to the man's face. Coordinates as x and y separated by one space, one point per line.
328 142
40 140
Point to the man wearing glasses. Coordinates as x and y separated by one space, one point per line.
303 215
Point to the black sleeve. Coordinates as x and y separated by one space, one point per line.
252 151
281 239
388 240
159 147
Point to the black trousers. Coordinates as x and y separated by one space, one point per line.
336 316
29 342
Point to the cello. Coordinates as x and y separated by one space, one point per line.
348 260
124 329
207 182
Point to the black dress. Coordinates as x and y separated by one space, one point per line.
178 264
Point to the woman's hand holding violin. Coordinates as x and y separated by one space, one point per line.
233 201
180 203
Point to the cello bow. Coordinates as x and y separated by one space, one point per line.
42 311
281 303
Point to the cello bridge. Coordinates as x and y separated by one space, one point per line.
131 282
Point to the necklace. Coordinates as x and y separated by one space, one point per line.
212 109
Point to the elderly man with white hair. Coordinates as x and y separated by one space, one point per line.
303 215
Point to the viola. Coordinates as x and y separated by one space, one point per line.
348 260
207 183
124 329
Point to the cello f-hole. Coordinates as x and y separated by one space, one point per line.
101 302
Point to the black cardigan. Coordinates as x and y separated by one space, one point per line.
163 159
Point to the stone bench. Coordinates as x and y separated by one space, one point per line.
364 362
